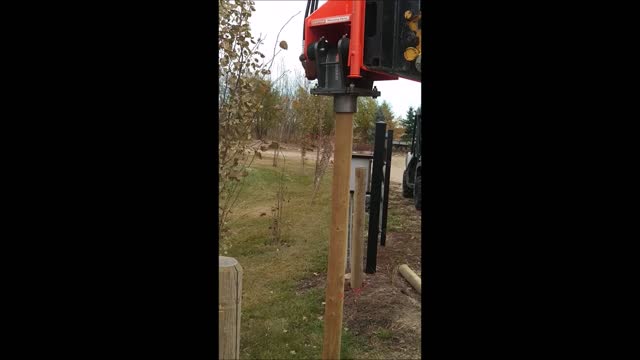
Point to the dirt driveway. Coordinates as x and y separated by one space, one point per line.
292 153
397 167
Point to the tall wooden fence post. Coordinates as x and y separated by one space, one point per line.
344 107
357 228
229 307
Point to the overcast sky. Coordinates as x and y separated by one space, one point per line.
269 17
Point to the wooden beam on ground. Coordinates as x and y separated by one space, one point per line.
411 277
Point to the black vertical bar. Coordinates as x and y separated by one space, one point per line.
419 131
306 14
374 210
370 179
387 182
413 138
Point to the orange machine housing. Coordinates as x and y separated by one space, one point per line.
333 20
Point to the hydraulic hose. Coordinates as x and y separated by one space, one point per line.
306 13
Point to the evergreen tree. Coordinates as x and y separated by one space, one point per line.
387 115
409 124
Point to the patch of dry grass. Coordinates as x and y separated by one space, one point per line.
279 322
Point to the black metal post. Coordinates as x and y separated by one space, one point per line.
387 185
376 190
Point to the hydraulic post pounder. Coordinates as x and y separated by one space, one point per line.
347 45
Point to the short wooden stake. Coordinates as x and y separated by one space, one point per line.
229 307
357 229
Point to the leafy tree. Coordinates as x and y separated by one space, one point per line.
315 118
314 113
268 116
364 120
398 132
239 69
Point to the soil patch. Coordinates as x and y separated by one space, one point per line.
385 313
317 281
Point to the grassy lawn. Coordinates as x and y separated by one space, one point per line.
280 321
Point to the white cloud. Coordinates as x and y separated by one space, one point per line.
270 16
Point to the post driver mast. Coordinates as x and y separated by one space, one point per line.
347 45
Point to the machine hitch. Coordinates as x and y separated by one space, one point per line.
331 69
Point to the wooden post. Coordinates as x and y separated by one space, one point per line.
229 307
357 228
338 239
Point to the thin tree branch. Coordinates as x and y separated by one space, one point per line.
278 37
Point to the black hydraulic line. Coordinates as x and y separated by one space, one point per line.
376 189
306 14
312 5
387 185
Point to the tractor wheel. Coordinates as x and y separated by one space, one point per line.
417 192
406 191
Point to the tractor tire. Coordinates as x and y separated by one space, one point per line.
417 192
406 191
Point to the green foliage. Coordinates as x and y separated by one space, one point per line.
387 115
364 120
314 114
267 117
409 124
315 119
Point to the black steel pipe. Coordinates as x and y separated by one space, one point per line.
376 190
387 185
